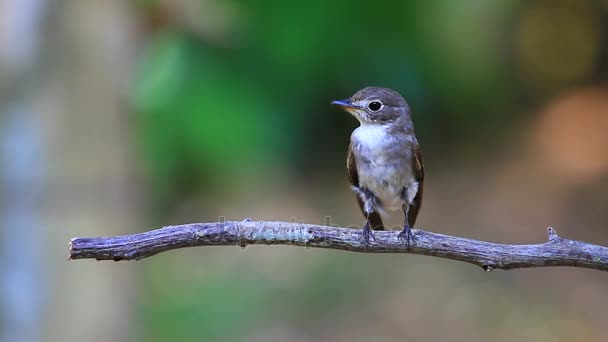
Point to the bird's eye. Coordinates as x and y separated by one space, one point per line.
374 106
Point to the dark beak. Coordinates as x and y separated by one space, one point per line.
344 103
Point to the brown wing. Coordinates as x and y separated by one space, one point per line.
375 220
419 174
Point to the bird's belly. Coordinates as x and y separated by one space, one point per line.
386 183
384 167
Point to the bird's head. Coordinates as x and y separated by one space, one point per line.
374 105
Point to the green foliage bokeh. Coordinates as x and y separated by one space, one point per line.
212 110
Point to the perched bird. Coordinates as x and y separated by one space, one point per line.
384 161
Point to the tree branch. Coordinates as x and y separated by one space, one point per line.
556 251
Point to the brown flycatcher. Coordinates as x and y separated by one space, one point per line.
384 161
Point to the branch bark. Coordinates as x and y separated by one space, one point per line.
556 251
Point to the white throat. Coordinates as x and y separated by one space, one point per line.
371 135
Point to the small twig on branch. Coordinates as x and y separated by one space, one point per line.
556 251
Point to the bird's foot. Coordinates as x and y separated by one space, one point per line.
407 236
366 234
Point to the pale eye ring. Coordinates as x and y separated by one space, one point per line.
375 106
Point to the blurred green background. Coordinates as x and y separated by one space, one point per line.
120 116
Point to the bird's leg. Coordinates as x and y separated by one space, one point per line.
367 231
406 233
367 203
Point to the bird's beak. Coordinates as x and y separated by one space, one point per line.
345 104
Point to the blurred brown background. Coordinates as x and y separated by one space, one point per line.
123 116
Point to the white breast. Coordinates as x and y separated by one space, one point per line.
373 138
382 168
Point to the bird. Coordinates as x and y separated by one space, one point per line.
384 161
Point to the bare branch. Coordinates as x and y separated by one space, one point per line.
556 251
